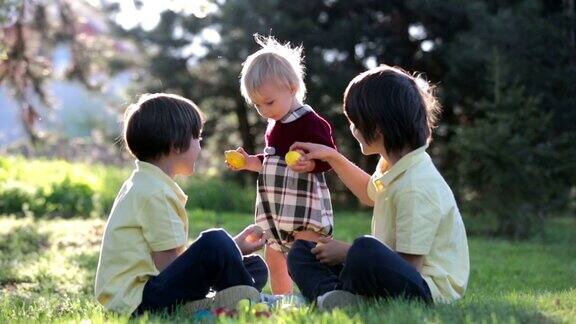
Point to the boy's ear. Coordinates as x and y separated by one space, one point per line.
175 150
379 135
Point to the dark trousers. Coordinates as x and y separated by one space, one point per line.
212 262
371 269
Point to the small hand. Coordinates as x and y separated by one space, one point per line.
248 240
330 251
252 162
303 165
315 151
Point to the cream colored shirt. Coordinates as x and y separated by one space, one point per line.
415 213
148 215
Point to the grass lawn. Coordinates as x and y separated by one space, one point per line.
47 275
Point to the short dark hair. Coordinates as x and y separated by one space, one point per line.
388 100
160 122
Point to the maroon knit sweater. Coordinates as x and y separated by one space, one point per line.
308 128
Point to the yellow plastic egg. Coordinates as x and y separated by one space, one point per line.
292 157
235 159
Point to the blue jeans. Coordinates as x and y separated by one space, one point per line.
371 269
212 262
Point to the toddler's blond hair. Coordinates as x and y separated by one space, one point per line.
274 62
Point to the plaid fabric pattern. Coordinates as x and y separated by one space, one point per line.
289 202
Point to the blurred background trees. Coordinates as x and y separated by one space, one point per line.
31 31
505 72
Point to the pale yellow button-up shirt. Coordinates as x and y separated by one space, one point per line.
415 213
148 215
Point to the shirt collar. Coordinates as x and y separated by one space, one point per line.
296 113
385 175
157 173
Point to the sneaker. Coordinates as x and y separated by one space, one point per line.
338 299
228 298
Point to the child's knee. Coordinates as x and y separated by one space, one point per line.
215 238
300 249
361 250
215 233
366 242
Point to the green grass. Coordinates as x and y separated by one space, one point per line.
47 275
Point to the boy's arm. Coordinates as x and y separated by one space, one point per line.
353 177
162 259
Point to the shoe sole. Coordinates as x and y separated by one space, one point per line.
339 299
228 298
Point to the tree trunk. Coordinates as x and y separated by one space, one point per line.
246 135
244 125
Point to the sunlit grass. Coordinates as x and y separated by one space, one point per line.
47 275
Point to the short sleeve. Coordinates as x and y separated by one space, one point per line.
417 220
162 227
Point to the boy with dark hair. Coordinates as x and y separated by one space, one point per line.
418 247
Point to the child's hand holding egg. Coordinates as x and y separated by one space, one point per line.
235 159
292 157
296 163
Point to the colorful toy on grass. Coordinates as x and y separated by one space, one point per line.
203 314
224 311
259 309
263 314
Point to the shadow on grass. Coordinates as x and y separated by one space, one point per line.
21 241
18 246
